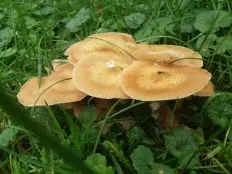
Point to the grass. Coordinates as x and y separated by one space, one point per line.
32 33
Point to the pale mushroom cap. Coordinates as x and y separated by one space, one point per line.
54 89
95 75
99 42
148 81
168 54
208 90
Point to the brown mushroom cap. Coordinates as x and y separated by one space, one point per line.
54 89
99 42
148 81
169 54
99 75
208 90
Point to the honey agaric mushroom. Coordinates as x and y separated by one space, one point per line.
208 90
177 55
99 75
54 89
148 81
99 42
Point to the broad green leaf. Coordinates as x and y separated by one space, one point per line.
141 7
186 157
110 23
224 44
199 135
135 134
5 36
182 143
44 11
30 21
165 24
162 26
219 109
186 27
144 33
160 168
206 41
142 158
157 27
7 135
186 23
86 137
98 164
205 52
134 20
212 19
8 52
97 160
80 18
88 116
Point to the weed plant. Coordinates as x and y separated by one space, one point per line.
32 33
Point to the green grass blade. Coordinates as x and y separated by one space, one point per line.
18 113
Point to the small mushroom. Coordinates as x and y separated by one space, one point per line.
99 75
112 41
54 89
208 90
177 55
148 81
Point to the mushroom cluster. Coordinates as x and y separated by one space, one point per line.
112 65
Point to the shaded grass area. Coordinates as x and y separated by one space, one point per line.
32 33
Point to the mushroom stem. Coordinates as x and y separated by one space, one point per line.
168 118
